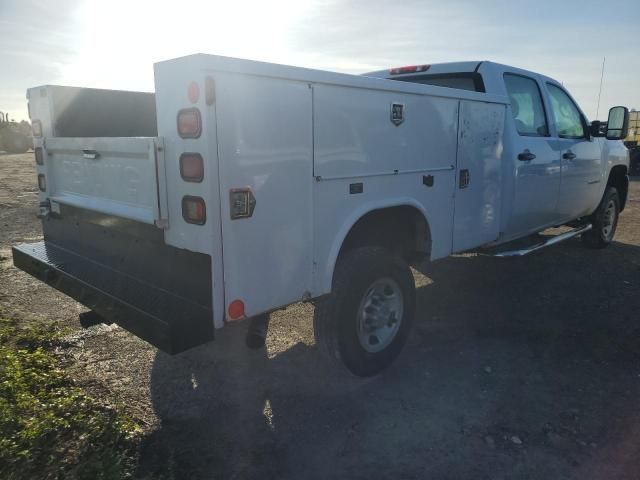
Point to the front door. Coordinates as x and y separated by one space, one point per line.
536 161
580 187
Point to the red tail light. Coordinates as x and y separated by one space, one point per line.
409 69
42 183
194 210
39 156
191 167
189 123
36 128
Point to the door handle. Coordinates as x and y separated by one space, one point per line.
569 155
526 156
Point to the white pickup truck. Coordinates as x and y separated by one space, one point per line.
241 187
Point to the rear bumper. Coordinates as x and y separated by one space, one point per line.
171 322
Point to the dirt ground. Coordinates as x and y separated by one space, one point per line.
518 368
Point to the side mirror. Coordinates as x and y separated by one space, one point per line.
618 123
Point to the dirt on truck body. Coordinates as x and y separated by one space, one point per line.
519 368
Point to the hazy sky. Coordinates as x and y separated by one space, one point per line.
113 43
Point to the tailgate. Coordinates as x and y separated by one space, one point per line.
116 176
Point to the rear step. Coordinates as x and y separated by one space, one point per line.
520 252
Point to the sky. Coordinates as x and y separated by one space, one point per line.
113 44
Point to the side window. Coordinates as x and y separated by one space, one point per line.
565 113
526 105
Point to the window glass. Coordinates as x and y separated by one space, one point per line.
565 113
526 105
461 81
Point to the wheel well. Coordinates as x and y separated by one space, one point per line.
618 178
401 229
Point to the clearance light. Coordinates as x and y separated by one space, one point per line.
191 167
236 310
194 210
241 202
39 156
36 128
409 69
193 92
42 183
189 123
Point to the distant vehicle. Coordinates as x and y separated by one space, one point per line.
13 139
632 141
241 187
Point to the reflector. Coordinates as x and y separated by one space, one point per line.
236 309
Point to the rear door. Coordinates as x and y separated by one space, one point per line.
536 161
580 187
116 176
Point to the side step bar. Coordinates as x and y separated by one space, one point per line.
547 243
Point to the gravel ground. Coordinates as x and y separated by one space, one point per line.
517 368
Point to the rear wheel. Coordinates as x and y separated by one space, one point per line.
604 221
365 321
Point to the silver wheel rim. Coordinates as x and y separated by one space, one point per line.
380 314
609 220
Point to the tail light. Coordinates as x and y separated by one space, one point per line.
191 167
189 123
36 128
194 210
39 156
42 183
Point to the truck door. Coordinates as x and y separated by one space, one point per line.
537 162
580 187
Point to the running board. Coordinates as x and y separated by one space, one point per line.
547 243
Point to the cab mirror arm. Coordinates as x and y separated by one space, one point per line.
596 127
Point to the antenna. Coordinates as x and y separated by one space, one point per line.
600 91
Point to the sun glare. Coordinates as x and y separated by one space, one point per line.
120 40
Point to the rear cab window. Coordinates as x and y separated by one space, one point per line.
526 105
471 81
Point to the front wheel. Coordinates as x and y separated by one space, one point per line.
604 221
365 321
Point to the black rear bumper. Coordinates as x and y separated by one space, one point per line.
170 321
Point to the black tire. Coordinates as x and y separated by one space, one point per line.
604 228
336 322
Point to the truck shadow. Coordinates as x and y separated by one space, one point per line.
525 367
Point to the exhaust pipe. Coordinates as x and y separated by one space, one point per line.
257 333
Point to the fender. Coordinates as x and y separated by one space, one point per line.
326 279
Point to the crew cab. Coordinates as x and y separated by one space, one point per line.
241 187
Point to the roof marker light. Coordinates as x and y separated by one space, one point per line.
409 69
